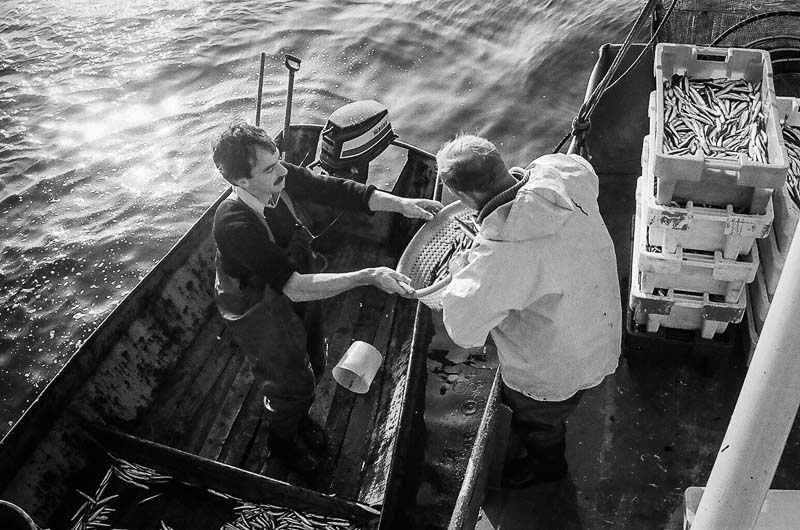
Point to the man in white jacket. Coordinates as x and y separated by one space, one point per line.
542 281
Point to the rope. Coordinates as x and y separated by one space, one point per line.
751 20
582 122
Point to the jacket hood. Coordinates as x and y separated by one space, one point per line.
538 206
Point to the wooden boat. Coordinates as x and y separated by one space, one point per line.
161 384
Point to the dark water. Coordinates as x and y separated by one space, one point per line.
108 110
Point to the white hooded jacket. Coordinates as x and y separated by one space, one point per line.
542 280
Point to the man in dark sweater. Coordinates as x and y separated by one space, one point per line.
267 281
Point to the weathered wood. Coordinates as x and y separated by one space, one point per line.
257 456
390 456
205 473
345 481
241 439
182 376
192 438
470 498
192 399
234 401
342 404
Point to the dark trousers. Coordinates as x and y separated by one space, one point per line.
541 425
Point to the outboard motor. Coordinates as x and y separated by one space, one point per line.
354 135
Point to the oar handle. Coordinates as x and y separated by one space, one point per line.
292 64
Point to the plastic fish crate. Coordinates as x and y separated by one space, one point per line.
683 310
726 63
772 261
676 183
700 227
787 212
668 342
759 300
687 270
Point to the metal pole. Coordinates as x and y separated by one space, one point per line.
260 89
763 416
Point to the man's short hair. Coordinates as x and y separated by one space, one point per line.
470 163
234 151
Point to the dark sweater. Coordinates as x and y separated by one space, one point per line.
243 242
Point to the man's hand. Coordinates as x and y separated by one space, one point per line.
390 281
420 208
380 201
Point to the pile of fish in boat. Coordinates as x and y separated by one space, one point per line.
720 117
100 510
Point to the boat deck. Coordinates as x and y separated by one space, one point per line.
211 406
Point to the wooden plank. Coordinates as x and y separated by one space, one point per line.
470 497
342 404
256 458
339 340
193 397
191 438
345 480
181 378
339 327
208 474
233 401
396 411
241 439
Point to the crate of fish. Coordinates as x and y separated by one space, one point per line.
680 185
716 116
772 261
787 197
690 270
699 227
671 308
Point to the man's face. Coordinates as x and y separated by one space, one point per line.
467 198
267 175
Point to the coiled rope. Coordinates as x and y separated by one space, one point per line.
582 122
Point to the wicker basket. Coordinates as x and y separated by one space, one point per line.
426 250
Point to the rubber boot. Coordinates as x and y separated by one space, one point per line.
294 452
540 465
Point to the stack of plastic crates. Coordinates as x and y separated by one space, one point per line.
702 203
773 248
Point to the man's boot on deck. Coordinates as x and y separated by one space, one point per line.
541 464
294 452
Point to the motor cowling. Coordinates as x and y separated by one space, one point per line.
354 135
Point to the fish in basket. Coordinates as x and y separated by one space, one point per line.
426 258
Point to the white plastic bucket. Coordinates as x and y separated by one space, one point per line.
357 367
